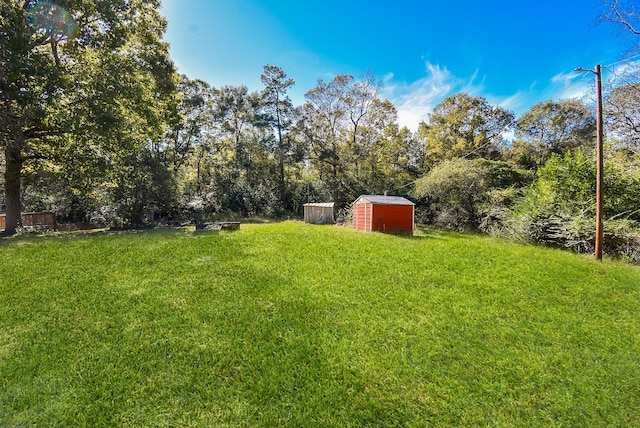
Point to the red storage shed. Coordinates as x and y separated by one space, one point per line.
387 214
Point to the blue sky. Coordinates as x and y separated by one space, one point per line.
515 53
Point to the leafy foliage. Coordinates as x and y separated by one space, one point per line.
559 208
467 126
457 190
557 127
84 85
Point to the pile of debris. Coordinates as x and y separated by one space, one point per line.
217 226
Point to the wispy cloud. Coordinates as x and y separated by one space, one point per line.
562 86
415 100
564 79
570 85
516 102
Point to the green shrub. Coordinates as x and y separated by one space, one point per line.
559 208
457 193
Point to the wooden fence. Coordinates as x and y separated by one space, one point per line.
45 219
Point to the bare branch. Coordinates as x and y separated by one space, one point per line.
35 133
623 18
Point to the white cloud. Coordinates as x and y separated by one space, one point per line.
516 102
562 86
564 79
575 84
415 101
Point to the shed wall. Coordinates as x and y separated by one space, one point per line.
318 215
392 218
362 215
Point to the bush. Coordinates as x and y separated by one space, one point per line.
456 193
559 209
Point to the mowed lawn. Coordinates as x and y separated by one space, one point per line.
296 325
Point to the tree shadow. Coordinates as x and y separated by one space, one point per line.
44 236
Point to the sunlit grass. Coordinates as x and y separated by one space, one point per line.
297 325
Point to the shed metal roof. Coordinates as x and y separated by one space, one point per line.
320 204
386 200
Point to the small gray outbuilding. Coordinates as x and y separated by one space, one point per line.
319 213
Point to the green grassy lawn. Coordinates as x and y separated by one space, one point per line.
296 325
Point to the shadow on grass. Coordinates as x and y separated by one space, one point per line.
44 236
232 330
423 231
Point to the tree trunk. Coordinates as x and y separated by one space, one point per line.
12 177
282 186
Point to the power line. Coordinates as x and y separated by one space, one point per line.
622 76
621 61
571 85
581 77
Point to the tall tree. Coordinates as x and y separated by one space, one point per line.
279 112
557 127
360 97
465 126
196 125
389 156
236 111
622 116
354 141
322 120
244 176
87 77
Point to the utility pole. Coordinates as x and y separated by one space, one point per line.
600 164
599 160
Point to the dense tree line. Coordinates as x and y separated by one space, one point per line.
84 86
233 152
97 126
540 187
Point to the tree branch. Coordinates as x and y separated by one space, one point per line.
622 19
34 133
33 157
